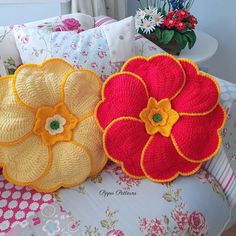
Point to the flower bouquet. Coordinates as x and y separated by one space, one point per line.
167 23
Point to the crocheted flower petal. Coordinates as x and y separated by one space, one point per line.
197 138
124 94
161 163
200 93
89 135
70 166
162 74
38 86
124 140
81 92
23 165
15 120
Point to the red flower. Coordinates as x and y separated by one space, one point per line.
171 14
181 218
180 25
71 24
198 223
161 117
182 14
59 28
193 20
169 22
157 228
162 25
192 26
115 233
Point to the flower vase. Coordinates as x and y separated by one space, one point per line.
172 47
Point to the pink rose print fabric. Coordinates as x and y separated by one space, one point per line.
70 24
32 40
18 203
110 204
198 223
88 50
115 233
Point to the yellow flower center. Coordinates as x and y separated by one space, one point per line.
142 13
159 117
54 124
157 19
147 24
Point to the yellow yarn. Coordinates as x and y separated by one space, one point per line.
11 111
21 160
71 165
41 118
81 92
48 134
43 83
84 134
159 117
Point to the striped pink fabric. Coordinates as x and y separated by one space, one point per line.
103 20
220 168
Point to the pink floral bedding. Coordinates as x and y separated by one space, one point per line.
113 204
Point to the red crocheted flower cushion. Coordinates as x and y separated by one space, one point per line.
161 117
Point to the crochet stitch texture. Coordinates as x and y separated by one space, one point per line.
48 134
160 117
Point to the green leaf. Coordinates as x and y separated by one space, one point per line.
167 36
167 197
183 31
191 37
166 220
104 224
158 33
181 39
187 20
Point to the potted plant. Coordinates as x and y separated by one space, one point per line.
167 23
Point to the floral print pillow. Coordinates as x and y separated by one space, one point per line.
9 54
91 49
34 42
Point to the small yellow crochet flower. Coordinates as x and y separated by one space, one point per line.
48 134
159 117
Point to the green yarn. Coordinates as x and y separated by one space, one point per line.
157 118
55 125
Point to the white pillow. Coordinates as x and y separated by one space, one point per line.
143 47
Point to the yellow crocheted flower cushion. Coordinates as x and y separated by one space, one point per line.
48 134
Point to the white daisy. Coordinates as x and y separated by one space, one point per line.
141 13
148 26
158 18
150 11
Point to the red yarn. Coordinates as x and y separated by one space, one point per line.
191 111
162 75
117 97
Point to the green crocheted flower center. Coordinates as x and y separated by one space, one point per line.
157 118
55 125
